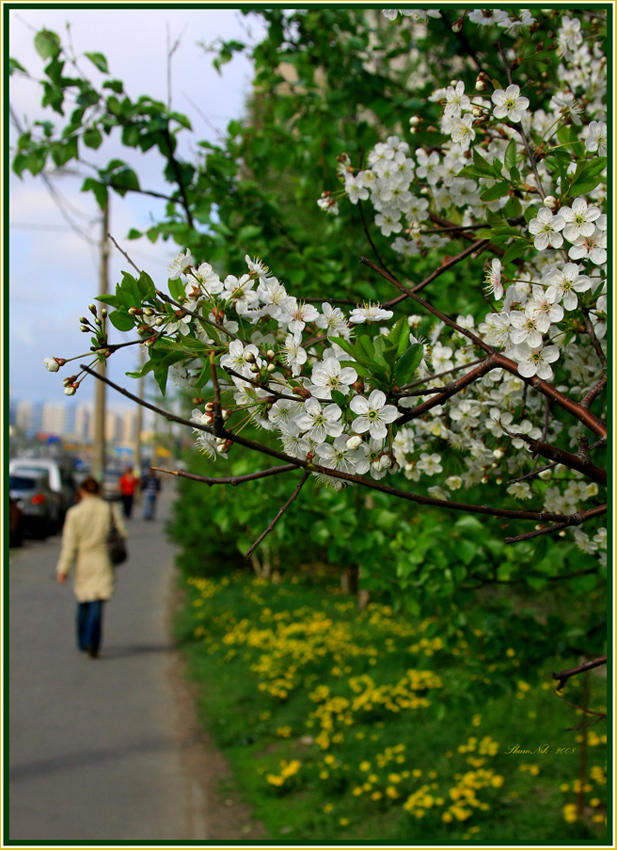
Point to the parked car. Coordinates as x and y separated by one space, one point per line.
61 479
38 503
111 484
16 524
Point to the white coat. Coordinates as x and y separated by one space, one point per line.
84 546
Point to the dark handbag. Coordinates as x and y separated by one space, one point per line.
116 543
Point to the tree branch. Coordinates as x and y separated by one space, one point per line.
267 531
232 482
564 675
536 516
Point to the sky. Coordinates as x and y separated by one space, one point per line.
54 270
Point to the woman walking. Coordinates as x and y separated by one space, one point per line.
84 545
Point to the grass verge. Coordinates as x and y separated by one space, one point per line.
357 726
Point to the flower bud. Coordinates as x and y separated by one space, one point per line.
254 368
209 407
476 112
354 442
51 364
69 390
197 400
92 309
457 26
270 367
158 321
415 120
226 414
270 354
249 357
551 202
147 312
104 313
480 85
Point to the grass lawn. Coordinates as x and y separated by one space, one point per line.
361 726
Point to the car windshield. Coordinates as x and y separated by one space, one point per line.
20 482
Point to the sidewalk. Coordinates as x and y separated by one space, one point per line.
96 749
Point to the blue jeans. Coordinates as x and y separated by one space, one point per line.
89 624
149 505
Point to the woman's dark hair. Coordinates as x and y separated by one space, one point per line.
91 485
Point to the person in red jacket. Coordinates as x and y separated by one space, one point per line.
127 485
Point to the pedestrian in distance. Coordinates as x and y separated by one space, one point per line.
84 549
127 486
150 487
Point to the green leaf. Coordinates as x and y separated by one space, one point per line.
496 191
339 398
483 165
147 367
14 65
509 159
379 348
121 320
99 190
362 370
589 176
466 551
92 138
146 286
515 250
47 44
531 212
115 86
399 335
343 343
513 207
112 300
406 367
99 60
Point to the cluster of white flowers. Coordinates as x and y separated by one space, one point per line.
535 323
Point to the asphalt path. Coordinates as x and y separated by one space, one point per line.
94 752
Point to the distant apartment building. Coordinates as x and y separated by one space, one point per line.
29 415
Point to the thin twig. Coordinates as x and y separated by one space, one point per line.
232 482
258 384
437 375
123 252
550 529
267 531
218 412
475 246
594 339
593 393
368 235
169 300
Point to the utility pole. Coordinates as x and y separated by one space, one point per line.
98 458
140 419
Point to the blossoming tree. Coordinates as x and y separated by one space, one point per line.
480 360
